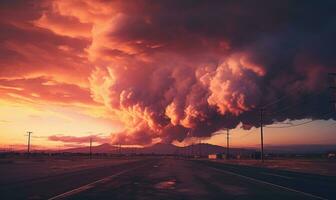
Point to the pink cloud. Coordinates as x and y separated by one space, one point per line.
79 139
45 89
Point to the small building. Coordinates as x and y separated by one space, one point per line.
215 156
332 155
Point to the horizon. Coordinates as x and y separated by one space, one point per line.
305 147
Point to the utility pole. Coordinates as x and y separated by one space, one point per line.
186 151
332 86
90 147
183 151
227 145
200 147
261 135
207 149
191 150
28 146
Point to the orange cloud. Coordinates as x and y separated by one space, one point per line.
67 26
80 139
40 88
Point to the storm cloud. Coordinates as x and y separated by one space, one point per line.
169 70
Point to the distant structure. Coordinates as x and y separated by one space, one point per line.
28 145
90 147
200 147
227 144
331 155
215 156
261 135
332 86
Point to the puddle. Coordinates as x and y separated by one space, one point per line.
166 185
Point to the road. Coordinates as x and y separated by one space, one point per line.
168 178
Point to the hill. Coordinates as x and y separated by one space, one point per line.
161 149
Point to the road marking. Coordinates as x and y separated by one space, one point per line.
268 183
91 185
271 174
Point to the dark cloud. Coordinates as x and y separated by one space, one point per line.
222 61
176 69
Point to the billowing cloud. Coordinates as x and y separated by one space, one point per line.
170 69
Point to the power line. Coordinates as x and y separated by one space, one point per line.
273 117
275 102
294 125
280 98
257 109
287 108
303 123
303 102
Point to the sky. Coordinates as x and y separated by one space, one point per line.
141 72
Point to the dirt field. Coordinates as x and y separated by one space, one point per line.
19 169
322 167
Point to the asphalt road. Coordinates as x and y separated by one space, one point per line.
171 179
312 184
51 185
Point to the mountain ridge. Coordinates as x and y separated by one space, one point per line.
202 149
160 149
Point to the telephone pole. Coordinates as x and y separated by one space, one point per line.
90 147
200 147
332 86
28 146
227 145
261 135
